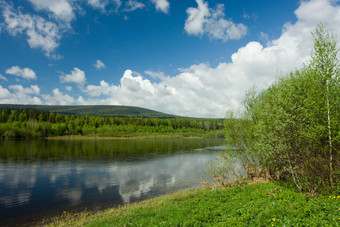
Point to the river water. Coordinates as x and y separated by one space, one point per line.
43 178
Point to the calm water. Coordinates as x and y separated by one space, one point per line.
42 178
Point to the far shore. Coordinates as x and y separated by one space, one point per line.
118 138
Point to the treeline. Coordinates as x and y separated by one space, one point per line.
93 110
41 124
291 131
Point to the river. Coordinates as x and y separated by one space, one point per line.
43 178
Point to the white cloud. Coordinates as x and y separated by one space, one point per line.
204 20
68 88
4 94
118 3
25 73
61 9
2 77
102 5
201 90
58 98
132 5
264 36
76 76
94 90
157 75
197 18
98 4
161 5
99 64
33 89
41 34
204 91
20 95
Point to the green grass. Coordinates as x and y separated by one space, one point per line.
267 204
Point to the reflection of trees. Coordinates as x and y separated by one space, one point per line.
96 149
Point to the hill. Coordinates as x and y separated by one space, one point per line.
93 110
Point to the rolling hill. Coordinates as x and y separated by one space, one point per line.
93 110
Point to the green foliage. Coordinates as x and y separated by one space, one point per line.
40 124
93 110
269 204
294 129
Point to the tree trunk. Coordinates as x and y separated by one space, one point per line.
330 138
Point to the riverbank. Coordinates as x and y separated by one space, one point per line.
268 204
75 137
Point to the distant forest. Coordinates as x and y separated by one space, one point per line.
92 110
25 123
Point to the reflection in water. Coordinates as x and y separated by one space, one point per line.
38 185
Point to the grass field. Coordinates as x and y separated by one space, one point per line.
266 204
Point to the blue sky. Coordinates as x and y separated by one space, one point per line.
191 58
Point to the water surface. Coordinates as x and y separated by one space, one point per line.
40 178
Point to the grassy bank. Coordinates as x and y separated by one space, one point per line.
267 204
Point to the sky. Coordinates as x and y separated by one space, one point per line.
193 58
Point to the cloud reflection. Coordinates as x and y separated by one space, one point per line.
78 182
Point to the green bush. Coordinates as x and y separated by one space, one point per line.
292 128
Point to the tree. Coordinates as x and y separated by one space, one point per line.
325 64
292 128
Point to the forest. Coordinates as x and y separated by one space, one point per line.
92 110
25 123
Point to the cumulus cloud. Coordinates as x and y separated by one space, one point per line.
161 5
76 76
99 64
156 75
204 91
201 90
2 77
4 94
25 73
33 89
204 20
20 95
132 5
60 9
58 98
197 18
40 33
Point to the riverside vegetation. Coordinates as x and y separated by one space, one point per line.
291 131
25 123
268 204
289 134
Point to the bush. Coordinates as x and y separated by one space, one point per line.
292 128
